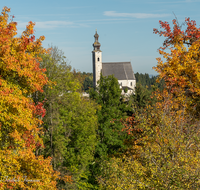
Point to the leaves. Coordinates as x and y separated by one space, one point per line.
164 151
69 124
21 75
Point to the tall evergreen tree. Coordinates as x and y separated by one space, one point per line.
108 96
110 135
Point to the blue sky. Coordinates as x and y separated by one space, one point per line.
125 27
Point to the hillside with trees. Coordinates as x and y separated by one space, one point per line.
86 79
146 81
53 138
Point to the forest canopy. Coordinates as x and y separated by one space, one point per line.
51 137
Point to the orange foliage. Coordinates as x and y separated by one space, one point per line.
164 150
21 75
182 67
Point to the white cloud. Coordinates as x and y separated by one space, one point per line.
134 15
21 26
47 24
52 24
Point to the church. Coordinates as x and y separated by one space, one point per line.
121 70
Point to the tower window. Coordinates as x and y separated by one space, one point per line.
131 84
98 59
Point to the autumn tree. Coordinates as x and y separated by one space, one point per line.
162 154
165 152
181 68
20 76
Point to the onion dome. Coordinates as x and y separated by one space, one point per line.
96 44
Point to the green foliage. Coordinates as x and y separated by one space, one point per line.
146 80
85 79
164 153
164 156
88 83
80 131
145 88
110 135
70 123
108 96
126 90
141 96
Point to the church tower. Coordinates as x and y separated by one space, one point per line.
97 60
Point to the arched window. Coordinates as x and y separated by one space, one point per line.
98 59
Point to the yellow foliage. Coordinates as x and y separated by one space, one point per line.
20 75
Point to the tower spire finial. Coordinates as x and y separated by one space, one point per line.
96 43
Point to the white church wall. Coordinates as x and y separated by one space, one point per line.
129 84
